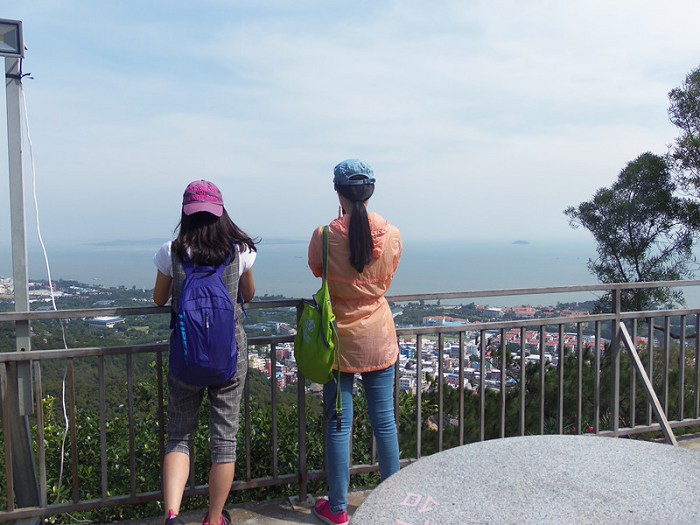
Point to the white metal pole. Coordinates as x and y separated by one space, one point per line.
19 377
17 215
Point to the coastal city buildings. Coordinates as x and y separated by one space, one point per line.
285 366
431 354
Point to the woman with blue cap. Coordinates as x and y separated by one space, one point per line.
363 254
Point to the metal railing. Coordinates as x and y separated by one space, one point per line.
520 403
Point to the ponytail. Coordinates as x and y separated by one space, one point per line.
361 243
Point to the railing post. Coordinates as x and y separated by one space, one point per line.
419 396
696 383
596 380
397 401
482 387
273 399
543 337
560 366
441 408
667 362
461 387
523 379
681 373
503 383
301 412
579 375
633 381
650 366
615 360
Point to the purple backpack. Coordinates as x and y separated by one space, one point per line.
203 350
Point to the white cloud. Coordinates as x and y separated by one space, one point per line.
494 115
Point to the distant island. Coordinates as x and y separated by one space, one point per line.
158 242
521 242
127 242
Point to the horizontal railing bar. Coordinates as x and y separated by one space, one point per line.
497 325
79 313
291 303
256 483
62 353
659 313
654 427
270 339
364 468
285 479
145 497
540 321
29 512
279 303
540 291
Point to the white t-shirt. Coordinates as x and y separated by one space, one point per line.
164 263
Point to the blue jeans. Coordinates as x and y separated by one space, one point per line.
379 391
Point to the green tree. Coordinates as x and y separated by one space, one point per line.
684 112
641 229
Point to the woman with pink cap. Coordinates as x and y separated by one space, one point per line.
206 236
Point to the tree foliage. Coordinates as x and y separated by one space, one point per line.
684 112
641 229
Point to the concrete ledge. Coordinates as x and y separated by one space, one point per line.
542 480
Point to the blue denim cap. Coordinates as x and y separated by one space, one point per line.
343 172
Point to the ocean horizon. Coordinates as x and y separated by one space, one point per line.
281 267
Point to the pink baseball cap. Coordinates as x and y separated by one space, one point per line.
202 195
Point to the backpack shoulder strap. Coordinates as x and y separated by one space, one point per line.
230 278
188 267
229 274
220 270
179 276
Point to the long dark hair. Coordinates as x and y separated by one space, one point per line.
361 244
207 239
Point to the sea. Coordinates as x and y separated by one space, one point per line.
281 268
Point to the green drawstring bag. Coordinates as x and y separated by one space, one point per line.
316 343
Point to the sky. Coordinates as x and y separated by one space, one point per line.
482 119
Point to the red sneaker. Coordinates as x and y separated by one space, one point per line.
173 519
322 510
225 519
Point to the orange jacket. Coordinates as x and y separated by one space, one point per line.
365 322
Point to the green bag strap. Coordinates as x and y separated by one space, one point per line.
325 253
338 397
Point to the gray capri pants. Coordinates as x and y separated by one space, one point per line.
184 402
